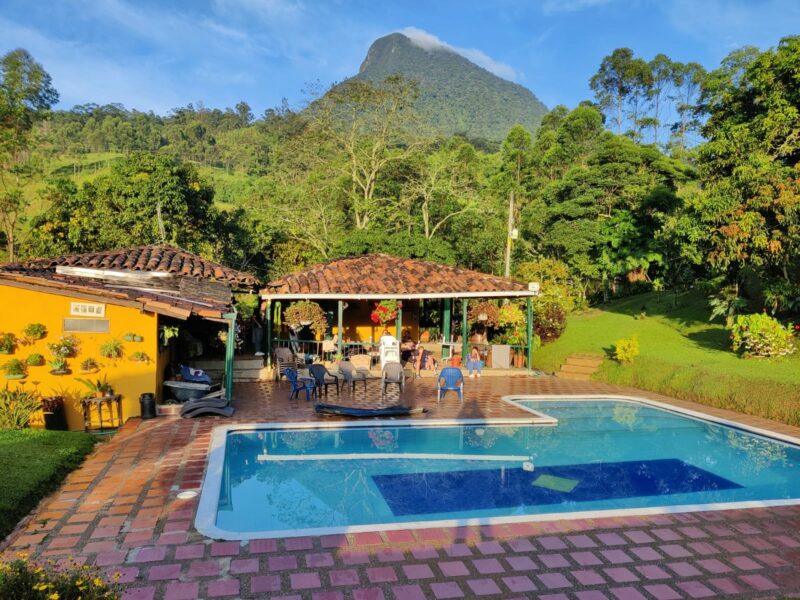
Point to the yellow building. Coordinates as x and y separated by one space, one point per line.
109 311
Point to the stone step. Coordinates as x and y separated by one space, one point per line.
585 361
581 369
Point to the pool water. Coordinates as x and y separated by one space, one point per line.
603 454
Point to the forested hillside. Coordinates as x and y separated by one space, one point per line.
670 177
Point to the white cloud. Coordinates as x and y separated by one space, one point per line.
430 42
268 10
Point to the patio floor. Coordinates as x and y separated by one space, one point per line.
120 511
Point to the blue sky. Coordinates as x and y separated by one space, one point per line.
158 55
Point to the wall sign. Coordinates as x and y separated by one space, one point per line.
87 309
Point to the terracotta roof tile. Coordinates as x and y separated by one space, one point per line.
157 258
379 274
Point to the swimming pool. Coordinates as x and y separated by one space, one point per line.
614 455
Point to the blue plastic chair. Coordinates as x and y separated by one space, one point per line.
450 379
187 375
298 385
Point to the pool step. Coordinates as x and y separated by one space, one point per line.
580 366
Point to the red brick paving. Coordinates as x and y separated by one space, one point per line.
120 511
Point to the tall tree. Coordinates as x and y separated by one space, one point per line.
26 96
663 74
689 79
515 160
614 81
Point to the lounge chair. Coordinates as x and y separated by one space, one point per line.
393 373
286 359
450 379
214 404
323 378
350 374
300 385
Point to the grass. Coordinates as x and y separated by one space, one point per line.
682 355
34 463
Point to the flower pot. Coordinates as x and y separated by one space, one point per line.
17 376
455 361
99 394
483 317
56 420
305 323
6 351
60 372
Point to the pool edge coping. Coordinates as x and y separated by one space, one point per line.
205 519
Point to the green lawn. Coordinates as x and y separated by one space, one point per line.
682 355
34 463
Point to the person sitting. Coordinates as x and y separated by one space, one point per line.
474 362
425 361
407 347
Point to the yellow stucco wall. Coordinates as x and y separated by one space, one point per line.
20 307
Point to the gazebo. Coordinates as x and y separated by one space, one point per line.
376 277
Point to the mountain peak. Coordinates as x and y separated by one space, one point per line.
457 96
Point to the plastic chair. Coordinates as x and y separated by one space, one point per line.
285 359
195 375
450 379
351 374
306 385
323 378
393 373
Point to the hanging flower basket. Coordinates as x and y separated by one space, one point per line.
484 313
385 311
306 313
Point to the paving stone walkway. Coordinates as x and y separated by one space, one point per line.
120 511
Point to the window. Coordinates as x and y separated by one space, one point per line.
86 326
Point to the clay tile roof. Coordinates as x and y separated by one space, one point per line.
389 276
158 258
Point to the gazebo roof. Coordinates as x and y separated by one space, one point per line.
379 276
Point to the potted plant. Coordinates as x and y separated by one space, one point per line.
33 332
140 357
98 388
89 365
8 342
306 313
14 369
167 333
53 410
132 337
111 349
58 366
385 311
65 347
35 360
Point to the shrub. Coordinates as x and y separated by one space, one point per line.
89 364
30 580
550 320
35 360
306 312
34 331
14 368
111 349
626 349
58 365
485 313
140 357
8 342
16 409
761 335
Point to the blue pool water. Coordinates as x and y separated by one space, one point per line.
603 454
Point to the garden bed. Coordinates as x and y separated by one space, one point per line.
35 462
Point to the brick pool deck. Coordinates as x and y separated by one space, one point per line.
120 511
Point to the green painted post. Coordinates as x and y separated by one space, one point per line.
399 322
268 327
464 330
230 344
530 334
448 305
339 327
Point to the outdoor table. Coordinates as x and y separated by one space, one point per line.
87 403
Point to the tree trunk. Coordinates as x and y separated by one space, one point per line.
507 271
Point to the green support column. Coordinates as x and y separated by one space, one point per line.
339 327
530 333
399 322
268 332
464 330
448 305
230 344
